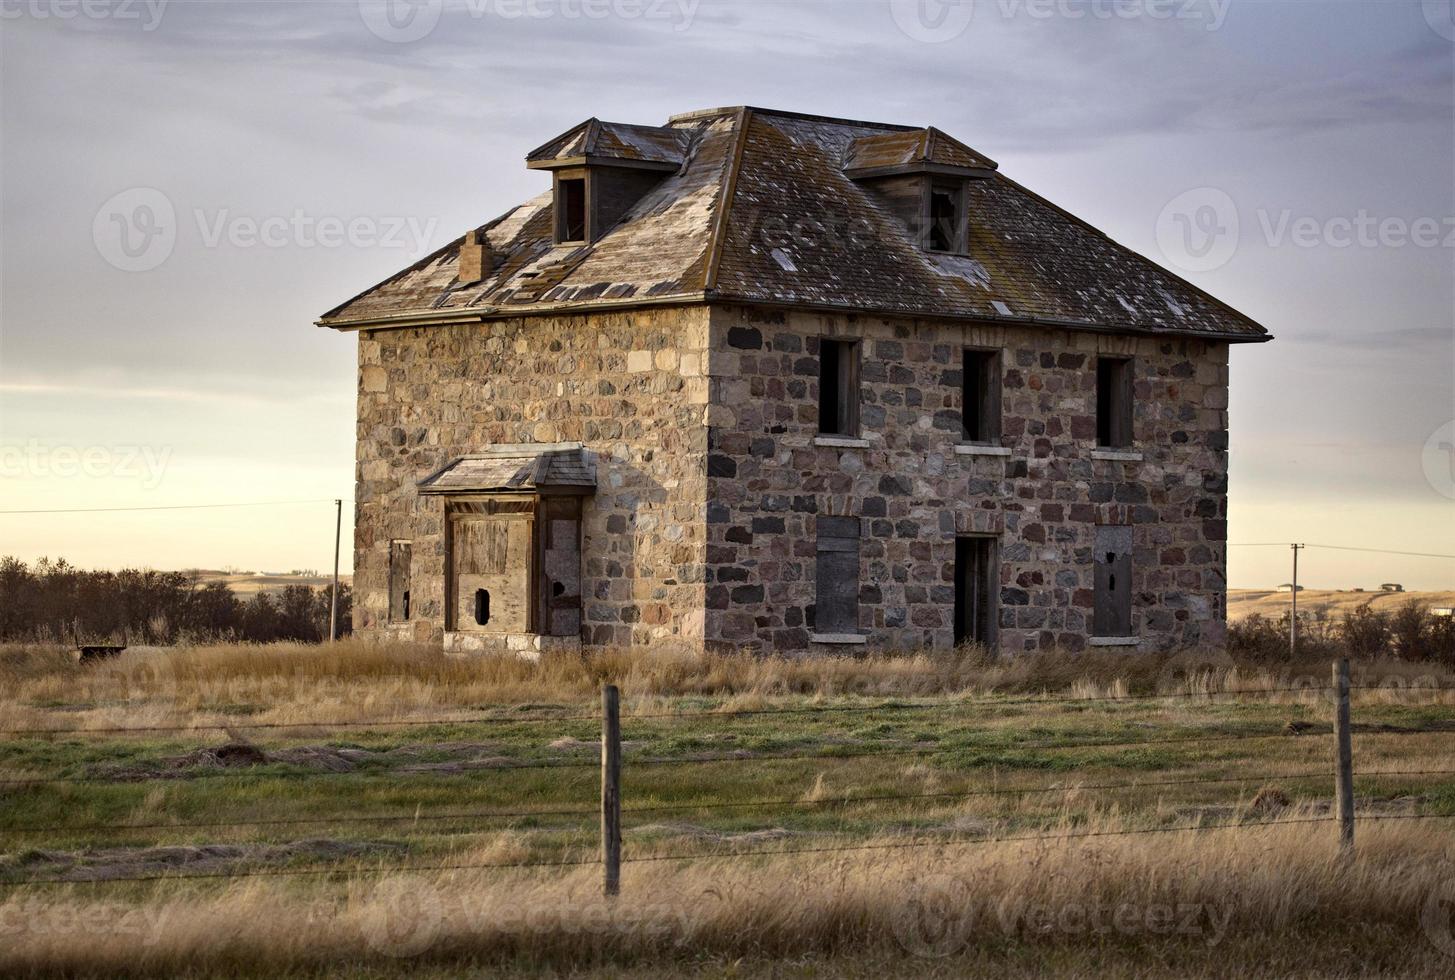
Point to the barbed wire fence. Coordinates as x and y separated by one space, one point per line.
615 805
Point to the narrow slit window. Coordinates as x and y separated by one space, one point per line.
1114 402
571 210
836 586
399 584
980 397
482 607
838 387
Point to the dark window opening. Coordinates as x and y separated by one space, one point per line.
1112 584
975 590
838 387
482 606
1114 402
571 202
557 589
399 584
836 576
945 218
980 397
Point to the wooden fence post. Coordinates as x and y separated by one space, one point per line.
1344 771
611 788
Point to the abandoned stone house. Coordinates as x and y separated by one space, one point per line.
759 379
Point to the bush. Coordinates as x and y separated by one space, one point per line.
56 601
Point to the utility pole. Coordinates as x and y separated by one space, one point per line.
1293 614
338 530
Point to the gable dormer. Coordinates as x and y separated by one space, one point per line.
600 169
921 175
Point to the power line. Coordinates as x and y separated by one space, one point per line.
112 510
1338 547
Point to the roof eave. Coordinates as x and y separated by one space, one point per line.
560 163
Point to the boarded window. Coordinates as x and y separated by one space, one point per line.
980 398
838 387
1112 615
561 566
947 218
836 604
492 567
975 590
399 572
1114 402
571 210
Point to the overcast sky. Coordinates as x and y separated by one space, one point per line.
1296 158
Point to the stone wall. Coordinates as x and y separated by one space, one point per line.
631 386
768 480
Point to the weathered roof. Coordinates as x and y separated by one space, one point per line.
608 142
516 468
884 151
761 211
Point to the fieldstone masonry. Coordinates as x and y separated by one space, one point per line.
768 480
631 386
711 473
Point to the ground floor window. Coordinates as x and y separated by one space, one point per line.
400 569
1112 585
976 588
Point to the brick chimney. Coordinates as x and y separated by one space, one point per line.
475 258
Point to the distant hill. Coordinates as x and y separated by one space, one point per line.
247 583
1337 602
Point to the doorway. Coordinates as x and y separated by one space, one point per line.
975 590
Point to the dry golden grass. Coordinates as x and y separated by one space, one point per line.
285 683
1257 898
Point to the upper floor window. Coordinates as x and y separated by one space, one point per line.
1114 402
571 209
980 396
838 387
947 214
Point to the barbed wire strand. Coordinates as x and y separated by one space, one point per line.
718 855
743 804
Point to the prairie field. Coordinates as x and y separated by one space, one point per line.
376 811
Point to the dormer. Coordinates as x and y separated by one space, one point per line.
600 169
921 175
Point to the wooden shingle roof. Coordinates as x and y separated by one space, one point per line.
760 210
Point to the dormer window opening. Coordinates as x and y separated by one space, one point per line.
571 216
947 217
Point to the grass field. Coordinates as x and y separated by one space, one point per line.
797 818
1331 604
